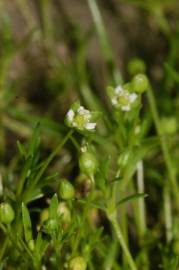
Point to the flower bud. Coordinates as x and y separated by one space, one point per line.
51 225
77 263
31 245
64 212
84 185
66 190
94 217
44 215
88 163
136 65
140 83
6 213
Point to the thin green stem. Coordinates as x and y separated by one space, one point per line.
45 7
104 41
122 242
84 216
141 214
124 228
3 249
110 258
168 214
164 147
75 143
141 205
5 243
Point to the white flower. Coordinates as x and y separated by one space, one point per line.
123 99
90 126
70 115
80 118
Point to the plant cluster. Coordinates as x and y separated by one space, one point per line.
96 187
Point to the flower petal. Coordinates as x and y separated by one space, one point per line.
118 90
70 115
132 97
126 108
90 126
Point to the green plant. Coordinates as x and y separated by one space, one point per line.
90 184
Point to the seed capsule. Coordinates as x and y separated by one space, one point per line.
140 83
44 215
51 225
31 245
66 190
6 213
78 263
136 65
64 213
88 163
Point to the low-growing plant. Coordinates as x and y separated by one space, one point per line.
96 188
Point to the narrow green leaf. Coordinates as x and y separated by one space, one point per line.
53 207
21 149
173 72
34 195
136 154
35 140
95 205
40 245
132 197
26 223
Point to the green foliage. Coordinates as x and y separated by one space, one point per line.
118 147
26 223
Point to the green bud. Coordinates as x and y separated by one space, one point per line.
88 163
6 213
77 263
51 225
140 83
136 65
31 245
66 190
44 215
64 213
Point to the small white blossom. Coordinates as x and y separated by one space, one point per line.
81 119
70 115
90 126
123 99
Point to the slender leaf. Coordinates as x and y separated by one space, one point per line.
53 207
26 223
132 197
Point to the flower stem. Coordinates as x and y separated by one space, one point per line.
141 216
164 147
3 249
122 242
168 214
141 204
106 49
